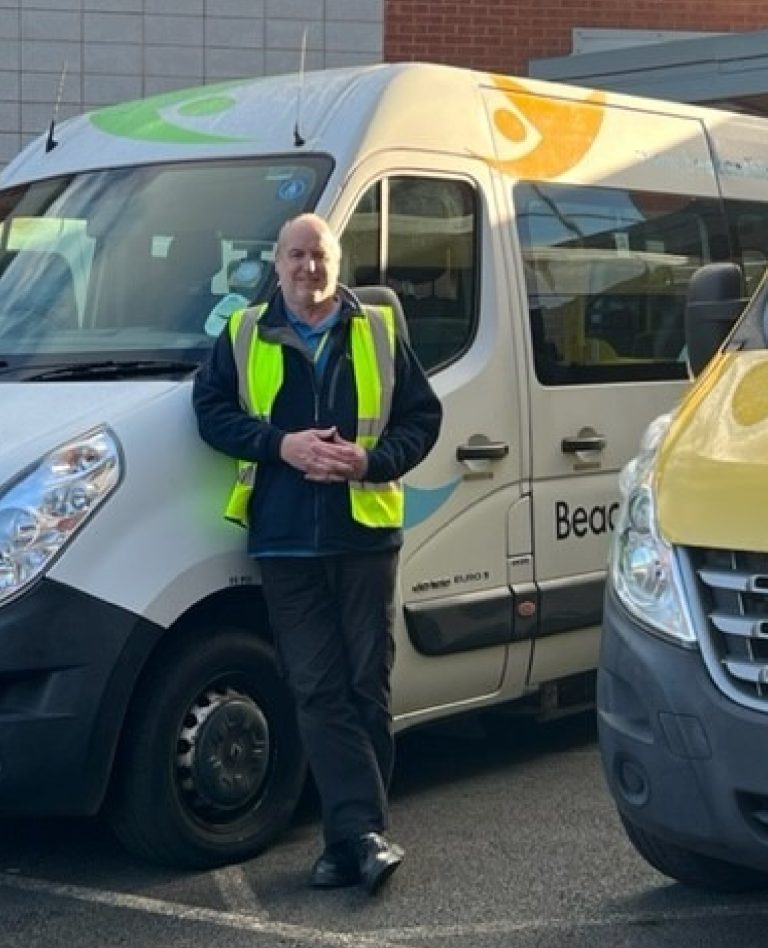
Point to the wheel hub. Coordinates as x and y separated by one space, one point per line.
224 750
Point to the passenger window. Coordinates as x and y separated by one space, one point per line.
424 247
749 228
361 242
606 274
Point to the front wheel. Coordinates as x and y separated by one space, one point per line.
209 769
692 868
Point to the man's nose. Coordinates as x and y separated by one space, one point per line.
311 265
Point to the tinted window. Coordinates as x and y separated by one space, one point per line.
606 273
145 260
749 229
419 236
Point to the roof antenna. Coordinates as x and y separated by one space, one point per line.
298 139
51 142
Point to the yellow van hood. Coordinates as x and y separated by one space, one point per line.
712 473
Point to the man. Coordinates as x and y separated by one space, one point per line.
325 407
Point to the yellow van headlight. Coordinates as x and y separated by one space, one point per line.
43 508
642 566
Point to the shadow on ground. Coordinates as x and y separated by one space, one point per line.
426 757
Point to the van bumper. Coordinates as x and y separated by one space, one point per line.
68 665
682 761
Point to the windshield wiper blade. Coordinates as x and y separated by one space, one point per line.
111 369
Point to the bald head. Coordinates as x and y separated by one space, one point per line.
310 223
307 260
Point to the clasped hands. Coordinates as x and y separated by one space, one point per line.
323 455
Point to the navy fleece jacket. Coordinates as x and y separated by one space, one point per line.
288 514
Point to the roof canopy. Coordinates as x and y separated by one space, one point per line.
729 70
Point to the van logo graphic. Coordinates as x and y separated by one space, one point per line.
170 117
422 502
553 134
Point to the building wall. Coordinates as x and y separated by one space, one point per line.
96 52
503 35
113 50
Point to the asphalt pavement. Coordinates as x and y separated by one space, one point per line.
512 842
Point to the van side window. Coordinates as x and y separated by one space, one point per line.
606 274
749 232
419 236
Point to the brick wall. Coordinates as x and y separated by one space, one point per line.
503 35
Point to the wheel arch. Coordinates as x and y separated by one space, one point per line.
239 616
225 608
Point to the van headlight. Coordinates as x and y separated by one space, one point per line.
44 507
642 567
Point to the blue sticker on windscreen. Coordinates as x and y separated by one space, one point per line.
292 189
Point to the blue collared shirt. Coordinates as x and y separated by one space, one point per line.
315 336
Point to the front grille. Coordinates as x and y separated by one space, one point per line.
731 599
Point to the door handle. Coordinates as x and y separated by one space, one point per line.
482 451
580 442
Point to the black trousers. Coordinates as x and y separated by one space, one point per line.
332 617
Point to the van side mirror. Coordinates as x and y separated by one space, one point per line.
713 302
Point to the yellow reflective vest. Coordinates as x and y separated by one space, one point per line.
260 375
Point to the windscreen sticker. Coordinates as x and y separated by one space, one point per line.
291 190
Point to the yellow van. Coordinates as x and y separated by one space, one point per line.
540 240
683 677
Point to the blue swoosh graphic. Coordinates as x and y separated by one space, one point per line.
422 502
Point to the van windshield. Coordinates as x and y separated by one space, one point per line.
141 265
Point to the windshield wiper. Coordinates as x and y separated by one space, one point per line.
110 369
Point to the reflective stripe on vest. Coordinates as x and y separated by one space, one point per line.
257 400
260 375
373 361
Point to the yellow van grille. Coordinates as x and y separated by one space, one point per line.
732 589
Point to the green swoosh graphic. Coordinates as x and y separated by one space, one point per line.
141 119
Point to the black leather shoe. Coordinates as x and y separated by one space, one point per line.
377 860
336 867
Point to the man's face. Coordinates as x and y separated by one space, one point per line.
307 265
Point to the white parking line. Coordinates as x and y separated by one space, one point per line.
189 913
382 938
236 892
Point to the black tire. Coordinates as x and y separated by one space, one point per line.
209 767
692 868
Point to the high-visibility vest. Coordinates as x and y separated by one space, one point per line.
260 376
